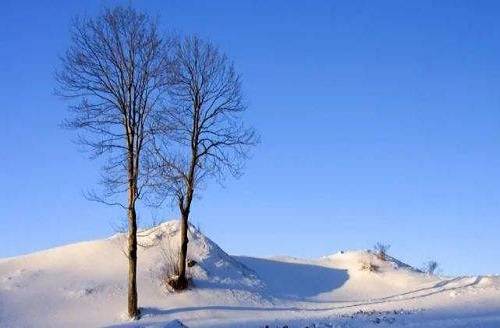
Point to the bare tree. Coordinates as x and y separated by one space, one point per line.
204 127
114 71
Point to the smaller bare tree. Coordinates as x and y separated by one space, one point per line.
202 134
381 250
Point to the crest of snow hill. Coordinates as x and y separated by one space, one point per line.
209 265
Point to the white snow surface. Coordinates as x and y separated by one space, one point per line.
84 285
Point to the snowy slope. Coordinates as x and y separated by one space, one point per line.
84 285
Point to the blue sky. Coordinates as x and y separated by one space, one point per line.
380 121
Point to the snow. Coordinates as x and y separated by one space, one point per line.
84 285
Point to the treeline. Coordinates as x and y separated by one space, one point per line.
164 110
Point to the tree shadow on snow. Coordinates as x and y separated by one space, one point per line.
295 280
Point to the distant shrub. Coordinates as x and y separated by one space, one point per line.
381 250
197 227
369 266
430 267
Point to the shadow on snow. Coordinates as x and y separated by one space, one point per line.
295 280
300 281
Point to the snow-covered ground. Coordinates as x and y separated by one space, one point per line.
84 285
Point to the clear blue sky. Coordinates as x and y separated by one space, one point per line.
380 121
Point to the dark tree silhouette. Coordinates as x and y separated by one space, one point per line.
115 73
200 134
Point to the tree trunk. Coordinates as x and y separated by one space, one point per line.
185 205
132 253
182 280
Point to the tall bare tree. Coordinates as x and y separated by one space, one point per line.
115 73
202 134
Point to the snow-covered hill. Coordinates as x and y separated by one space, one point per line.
84 285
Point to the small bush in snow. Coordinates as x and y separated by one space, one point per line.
169 269
381 250
369 266
197 227
430 267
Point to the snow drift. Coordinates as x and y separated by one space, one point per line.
84 285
